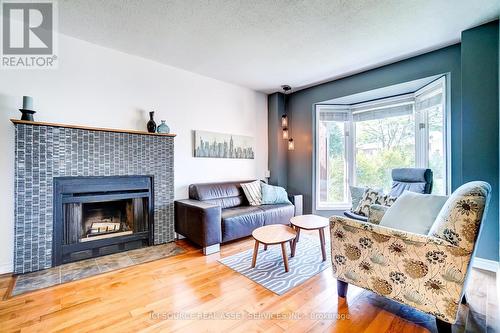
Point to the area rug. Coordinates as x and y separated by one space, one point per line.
270 271
90 267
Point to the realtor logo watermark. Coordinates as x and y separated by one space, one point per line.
28 38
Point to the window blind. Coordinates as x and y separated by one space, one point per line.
334 115
430 99
387 112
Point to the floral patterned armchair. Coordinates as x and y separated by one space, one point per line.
427 272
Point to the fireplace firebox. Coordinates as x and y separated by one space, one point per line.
95 216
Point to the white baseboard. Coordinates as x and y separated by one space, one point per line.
486 264
6 268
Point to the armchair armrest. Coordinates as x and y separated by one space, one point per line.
406 236
422 271
376 212
199 221
297 201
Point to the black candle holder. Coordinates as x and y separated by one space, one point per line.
27 114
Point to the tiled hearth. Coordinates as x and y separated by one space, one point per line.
47 151
90 267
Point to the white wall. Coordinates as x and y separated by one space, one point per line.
101 87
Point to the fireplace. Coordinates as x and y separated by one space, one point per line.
95 216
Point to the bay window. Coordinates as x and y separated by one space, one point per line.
359 144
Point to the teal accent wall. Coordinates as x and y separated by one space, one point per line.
479 62
301 110
472 127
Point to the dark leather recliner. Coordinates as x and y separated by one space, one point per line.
219 212
417 180
411 179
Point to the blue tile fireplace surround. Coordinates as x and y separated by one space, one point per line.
49 154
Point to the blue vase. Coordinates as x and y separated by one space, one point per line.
163 128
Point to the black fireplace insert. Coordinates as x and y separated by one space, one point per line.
95 216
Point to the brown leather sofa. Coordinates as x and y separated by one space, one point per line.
219 212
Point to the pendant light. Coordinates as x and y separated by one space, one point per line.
285 133
285 121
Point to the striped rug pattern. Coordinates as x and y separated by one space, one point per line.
270 271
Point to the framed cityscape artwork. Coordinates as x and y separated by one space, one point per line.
220 145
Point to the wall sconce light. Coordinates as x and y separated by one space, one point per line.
284 121
285 133
291 145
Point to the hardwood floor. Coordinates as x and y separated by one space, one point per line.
189 286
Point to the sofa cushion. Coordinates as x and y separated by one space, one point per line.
226 195
239 222
413 212
278 214
459 220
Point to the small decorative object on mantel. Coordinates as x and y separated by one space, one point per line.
151 123
27 110
163 128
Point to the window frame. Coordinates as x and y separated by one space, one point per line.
347 153
421 138
445 103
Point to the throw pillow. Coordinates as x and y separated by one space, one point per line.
376 212
253 192
413 212
386 200
272 195
370 197
356 195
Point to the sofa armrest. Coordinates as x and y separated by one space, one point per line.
376 213
297 201
198 221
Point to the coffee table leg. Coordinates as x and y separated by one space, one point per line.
265 247
293 246
298 235
255 251
322 240
285 257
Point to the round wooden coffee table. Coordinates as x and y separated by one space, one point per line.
272 235
310 222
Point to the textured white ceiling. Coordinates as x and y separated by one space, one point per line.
262 44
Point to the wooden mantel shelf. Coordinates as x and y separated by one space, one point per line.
37 123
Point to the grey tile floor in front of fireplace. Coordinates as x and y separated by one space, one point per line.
90 267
